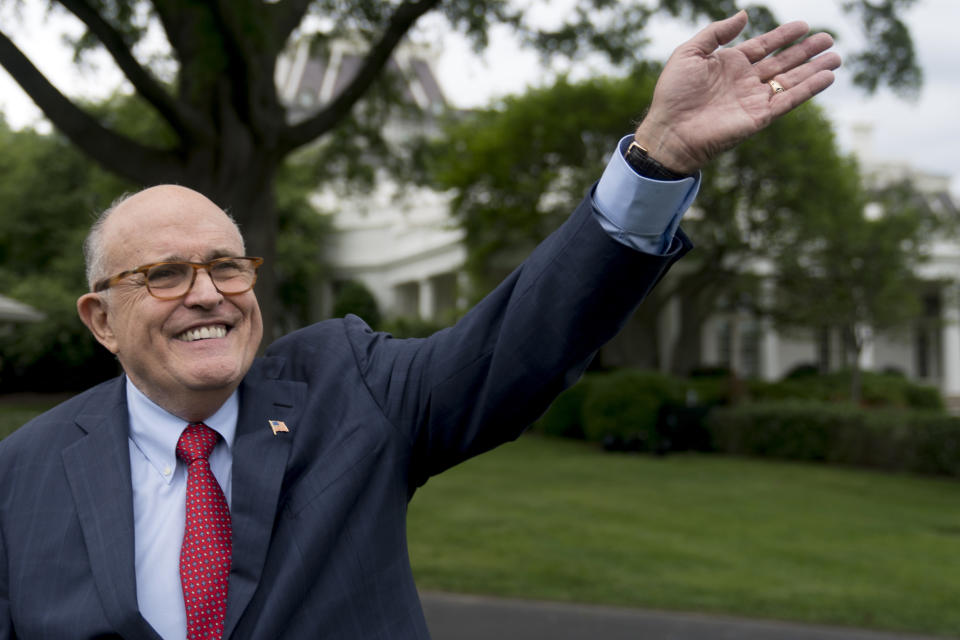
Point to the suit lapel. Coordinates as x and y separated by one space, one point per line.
98 471
259 465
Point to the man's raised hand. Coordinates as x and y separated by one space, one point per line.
710 97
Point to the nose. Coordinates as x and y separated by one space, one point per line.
203 293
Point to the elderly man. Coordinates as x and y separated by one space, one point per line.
207 493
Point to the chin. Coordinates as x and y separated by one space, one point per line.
214 375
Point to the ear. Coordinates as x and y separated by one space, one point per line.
95 314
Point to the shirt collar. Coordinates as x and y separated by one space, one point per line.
155 431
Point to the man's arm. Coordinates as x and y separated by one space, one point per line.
479 383
6 624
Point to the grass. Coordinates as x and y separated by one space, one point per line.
552 519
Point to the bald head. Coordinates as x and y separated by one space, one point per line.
142 213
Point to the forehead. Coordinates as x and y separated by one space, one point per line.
165 223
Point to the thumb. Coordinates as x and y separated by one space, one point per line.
719 33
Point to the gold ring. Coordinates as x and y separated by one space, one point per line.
776 86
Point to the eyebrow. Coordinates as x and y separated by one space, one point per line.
213 255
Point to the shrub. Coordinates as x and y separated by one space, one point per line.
897 440
803 370
411 327
712 391
564 418
637 410
878 390
354 297
622 408
921 396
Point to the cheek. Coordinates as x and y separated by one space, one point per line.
255 321
136 326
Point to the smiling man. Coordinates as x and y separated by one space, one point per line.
186 348
208 493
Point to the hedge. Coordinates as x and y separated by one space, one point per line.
621 409
895 440
648 411
878 390
625 409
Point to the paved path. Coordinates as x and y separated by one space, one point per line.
462 617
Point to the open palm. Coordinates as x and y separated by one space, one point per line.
711 97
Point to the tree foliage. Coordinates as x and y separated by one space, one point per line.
215 90
857 273
48 196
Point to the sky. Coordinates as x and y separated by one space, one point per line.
924 132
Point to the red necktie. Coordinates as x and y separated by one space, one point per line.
205 555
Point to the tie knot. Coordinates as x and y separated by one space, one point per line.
196 442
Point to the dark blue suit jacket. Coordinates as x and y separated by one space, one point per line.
319 513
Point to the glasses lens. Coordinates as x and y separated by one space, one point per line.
169 279
233 275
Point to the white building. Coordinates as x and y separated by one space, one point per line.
399 241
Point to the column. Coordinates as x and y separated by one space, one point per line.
769 337
463 289
769 351
950 343
428 299
864 334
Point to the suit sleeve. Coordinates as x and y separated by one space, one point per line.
482 382
6 623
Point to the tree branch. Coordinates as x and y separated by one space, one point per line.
251 58
115 152
186 124
231 20
401 21
287 14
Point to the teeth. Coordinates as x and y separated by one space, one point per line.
202 333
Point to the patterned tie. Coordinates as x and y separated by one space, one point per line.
205 555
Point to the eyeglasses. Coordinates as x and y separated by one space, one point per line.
172 280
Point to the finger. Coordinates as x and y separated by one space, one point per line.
781 103
794 56
719 33
760 47
796 76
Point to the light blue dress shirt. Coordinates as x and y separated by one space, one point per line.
159 502
639 212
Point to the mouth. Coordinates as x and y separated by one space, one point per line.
203 333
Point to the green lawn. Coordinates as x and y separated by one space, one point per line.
554 519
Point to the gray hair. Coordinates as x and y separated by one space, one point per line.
94 252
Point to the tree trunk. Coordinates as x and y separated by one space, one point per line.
858 340
638 343
688 348
856 382
252 204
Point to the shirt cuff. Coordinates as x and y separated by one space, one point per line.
637 211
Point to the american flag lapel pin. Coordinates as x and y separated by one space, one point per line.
278 426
